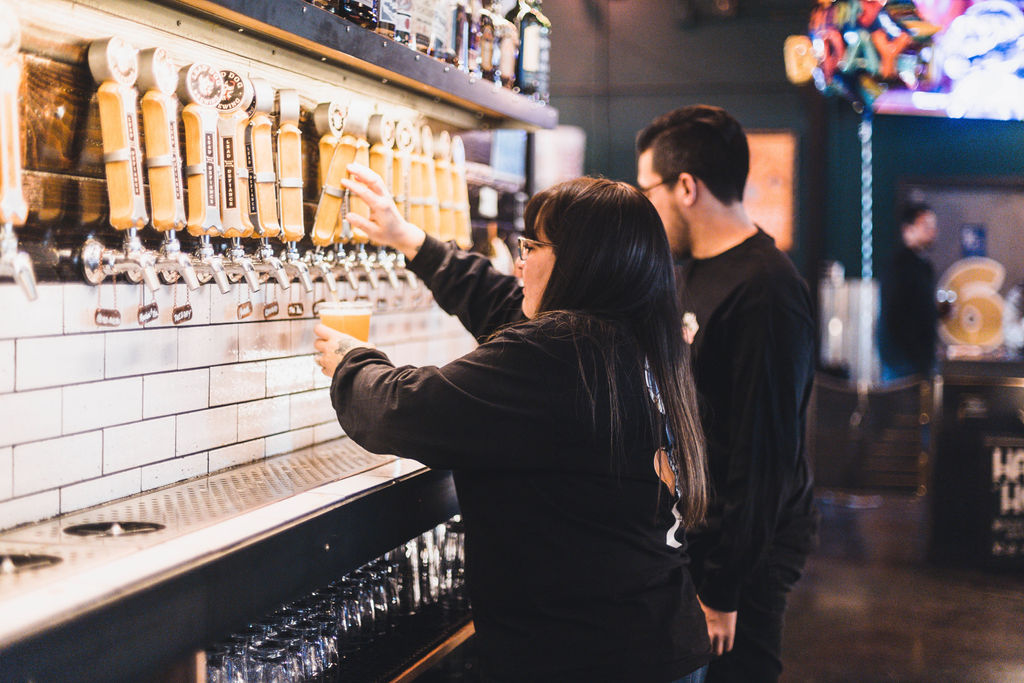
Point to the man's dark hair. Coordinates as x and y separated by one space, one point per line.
704 141
913 211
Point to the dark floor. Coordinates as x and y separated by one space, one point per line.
870 609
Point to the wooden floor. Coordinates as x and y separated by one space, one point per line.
871 609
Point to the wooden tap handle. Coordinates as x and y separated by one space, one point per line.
357 205
13 209
460 195
201 170
428 185
289 166
443 183
260 146
158 77
327 226
232 120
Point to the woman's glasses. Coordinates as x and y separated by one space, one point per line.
526 245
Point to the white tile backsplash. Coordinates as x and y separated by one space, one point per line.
238 454
101 404
171 471
29 508
260 418
287 442
46 464
327 431
175 392
6 366
29 416
310 408
95 491
90 414
238 382
290 375
53 361
6 472
138 443
263 340
205 346
206 429
24 318
141 352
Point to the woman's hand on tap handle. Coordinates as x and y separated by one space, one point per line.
386 225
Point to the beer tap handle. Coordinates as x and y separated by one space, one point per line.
380 134
431 213
202 87
259 149
354 135
289 166
443 183
231 121
329 119
158 78
13 208
460 195
402 168
114 65
327 224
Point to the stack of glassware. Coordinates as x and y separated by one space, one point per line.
317 637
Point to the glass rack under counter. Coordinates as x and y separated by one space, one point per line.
130 589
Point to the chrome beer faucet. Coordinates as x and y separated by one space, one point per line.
115 66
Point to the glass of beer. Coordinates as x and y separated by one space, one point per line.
348 317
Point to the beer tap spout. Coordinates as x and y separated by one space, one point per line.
172 263
239 266
267 264
16 264
320 266
297 267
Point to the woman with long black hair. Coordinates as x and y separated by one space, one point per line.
571 431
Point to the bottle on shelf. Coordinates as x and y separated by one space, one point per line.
506 41
421 13
394 20
533 65
441 31
362 12
460 23
329 5
471 65
486 66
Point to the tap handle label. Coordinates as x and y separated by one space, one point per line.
202 87
262 178
237 96
13 208
114 65
158 77
289 166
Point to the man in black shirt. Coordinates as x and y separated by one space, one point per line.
747 314
908 324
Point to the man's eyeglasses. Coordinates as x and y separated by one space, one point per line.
526 245
646 191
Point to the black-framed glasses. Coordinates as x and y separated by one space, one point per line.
646 191
526 245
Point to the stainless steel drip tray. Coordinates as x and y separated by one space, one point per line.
137 540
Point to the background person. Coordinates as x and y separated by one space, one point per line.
909 318
573 486
748 315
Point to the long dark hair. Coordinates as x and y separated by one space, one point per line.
613 275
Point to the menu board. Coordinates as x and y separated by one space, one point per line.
1005 500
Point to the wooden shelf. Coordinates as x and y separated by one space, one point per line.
302 26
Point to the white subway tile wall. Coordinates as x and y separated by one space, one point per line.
90 414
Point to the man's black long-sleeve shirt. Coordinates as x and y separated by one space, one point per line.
908 324
753 361
573 556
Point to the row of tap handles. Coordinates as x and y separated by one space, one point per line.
241 178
